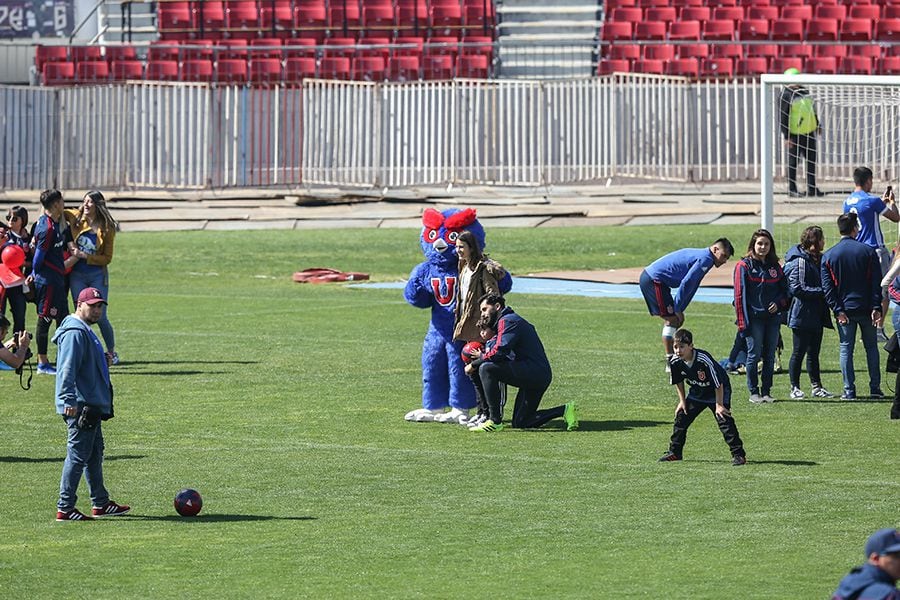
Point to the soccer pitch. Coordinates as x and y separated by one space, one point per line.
283 405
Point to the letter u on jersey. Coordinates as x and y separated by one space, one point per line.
446 292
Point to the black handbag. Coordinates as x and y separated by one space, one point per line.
892 347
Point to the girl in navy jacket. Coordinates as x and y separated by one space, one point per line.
809 315
760 295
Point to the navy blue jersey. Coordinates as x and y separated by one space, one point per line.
49 243
703 376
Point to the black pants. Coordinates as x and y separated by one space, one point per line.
807 342
15 299
802 145
481 405
895 407
532 383
683 420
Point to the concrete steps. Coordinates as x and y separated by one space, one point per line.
130 22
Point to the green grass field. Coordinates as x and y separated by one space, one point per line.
283 405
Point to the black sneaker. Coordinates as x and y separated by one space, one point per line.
795 194
815 192
669 457
737 461
877 394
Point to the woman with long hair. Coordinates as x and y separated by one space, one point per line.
94 232
809 314
760 295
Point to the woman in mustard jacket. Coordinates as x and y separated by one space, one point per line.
94 231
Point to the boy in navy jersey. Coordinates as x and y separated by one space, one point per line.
49 273
709 388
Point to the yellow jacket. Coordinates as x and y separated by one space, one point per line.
105 239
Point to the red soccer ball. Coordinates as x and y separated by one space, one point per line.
469 350
188 503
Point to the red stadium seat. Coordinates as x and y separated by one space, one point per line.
717 67
311 21
174 16
265 48
474 44
446 20
475 20
649 31
161 70
297 68
209 16
782 63
340 46
855 65
438 67
870 51
45 54
448 46
196 70
408 46
122 70
241 15
787 29
86 53
659 52
335 67
822 30
684 67
624 52
163 51
473 66
695 50
822 65
664 14
872 12
368 68
890 11
887 30
728 13
753 29
265 70
769 13
231 50
119 53
838 12
684 30
276 14
231 70
798 50
379 47
299 47
803 12
856 30
378 20
198 50
695 13
412 17
613 65
615 30
752 66
58 73
627 14
728 51
718 30
92 71
834 50
406 68
650 67
889 65
767 51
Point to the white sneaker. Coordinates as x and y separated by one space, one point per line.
422 415
797 394
756 399
454 415
476 421
820 392
768 399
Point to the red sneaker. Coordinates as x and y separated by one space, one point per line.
110 510
72 515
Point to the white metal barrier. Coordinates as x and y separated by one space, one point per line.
500 132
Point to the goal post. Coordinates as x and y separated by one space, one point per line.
858 125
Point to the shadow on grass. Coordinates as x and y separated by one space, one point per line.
837 401
214 518
618 425
187 362
28 459
750 462
165 373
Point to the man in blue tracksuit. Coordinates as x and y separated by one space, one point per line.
517 358
877 578
84 398
682 271
851 280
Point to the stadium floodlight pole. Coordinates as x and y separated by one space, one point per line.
768 126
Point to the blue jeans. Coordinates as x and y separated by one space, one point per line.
84 454
762 339
97 278
847 336
895 316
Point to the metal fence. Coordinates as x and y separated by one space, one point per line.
501 132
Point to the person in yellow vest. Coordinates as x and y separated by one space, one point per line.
799 127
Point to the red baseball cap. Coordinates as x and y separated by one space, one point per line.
90 296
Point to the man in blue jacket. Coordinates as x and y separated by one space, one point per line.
84 398
516 358
682 271
877 578
851 280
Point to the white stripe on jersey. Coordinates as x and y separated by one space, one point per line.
706 359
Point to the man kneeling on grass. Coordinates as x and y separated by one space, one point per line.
710 389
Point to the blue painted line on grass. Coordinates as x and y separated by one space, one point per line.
593 289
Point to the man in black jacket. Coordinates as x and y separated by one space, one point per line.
516 358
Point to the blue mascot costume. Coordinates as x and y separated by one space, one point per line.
432 284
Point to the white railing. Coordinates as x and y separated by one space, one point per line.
520 133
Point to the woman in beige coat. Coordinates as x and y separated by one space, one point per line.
478 275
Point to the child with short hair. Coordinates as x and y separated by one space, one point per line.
489 338
709 388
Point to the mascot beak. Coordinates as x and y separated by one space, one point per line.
440 245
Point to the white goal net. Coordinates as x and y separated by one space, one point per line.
815 130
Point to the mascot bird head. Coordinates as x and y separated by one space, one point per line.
440 230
